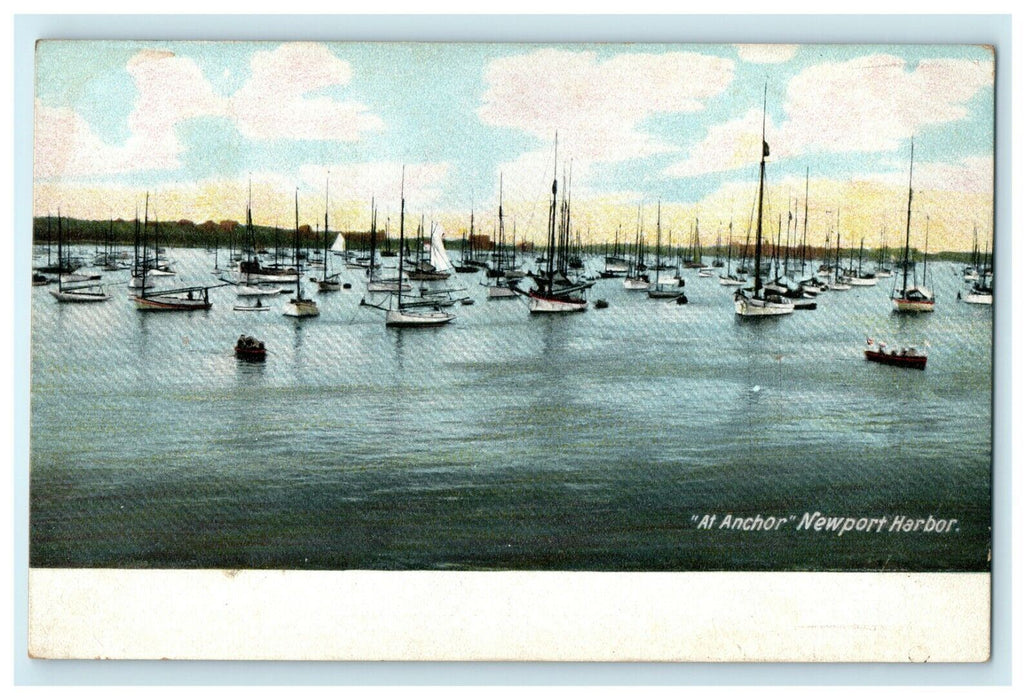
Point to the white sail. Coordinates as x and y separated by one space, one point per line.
438 256
338 246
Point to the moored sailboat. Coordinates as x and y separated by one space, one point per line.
552 292
914 298
759 301
77 294
298 306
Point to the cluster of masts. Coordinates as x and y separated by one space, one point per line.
558 285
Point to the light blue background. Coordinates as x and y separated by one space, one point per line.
995 30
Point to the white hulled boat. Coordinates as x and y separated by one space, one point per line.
298 306
758 301
911 298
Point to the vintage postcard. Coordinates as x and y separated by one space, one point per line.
511 351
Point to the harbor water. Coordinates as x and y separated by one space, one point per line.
594 441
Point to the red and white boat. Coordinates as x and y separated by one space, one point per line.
903 357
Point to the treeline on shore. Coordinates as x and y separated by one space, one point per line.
227 233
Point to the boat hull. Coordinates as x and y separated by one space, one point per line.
502 292
244 290
885 358
981 299
664 293
387 287
542 304
78 297
634 285
863 281
750 307
250 355
160 303
408 319
301 308
428 276
910 306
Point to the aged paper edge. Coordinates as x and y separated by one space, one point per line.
524 616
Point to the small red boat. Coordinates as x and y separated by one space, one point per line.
905 357
249 348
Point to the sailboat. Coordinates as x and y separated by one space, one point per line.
614 264
77 294
501 288
982 291
660 290
861 278
759 301
695 259
635 280
552 294
184 299
245 288
399 316
915 298
382 284
466 262
438 267
298 306
838 282
732 279
330 282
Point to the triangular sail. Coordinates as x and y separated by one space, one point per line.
438 256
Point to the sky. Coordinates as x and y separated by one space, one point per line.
635 125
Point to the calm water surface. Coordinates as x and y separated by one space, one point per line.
505 441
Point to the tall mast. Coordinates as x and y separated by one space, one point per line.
502 235
836 273
143 247
907 228
60 266
806 198
297 249
658 243
372 235
552 216
757 286
326 229
401 241
136 244
925 263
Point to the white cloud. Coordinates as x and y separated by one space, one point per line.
276 102
868 104
598 106
726 146
970 176
875 102
766 53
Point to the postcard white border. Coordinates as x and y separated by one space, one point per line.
514 616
